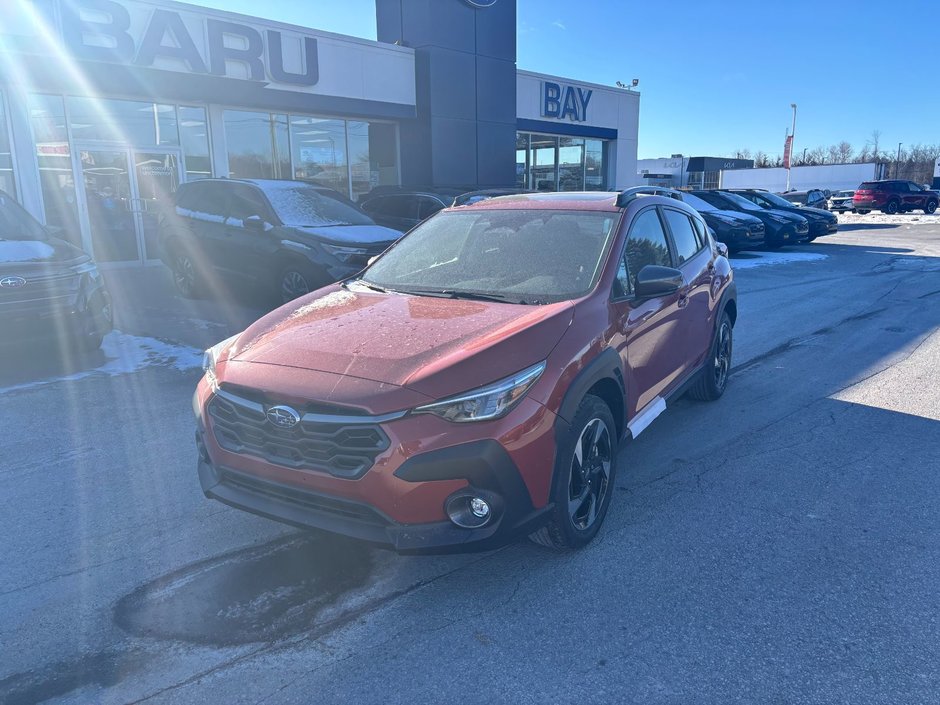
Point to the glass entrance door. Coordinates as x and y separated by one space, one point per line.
124 192
158 177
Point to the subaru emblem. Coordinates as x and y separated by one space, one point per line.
283 416
12 282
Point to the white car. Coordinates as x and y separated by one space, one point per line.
841 201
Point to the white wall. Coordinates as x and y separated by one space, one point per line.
826 176
612 108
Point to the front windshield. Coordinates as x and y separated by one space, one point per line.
773 199
298 204
16 223
521 256
697 203
740 201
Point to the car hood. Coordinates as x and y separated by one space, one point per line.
809 213
348 234
33 255
433 346
730 217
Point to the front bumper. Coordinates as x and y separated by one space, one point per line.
87 315
495 477
399 502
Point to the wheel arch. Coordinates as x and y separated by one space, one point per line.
603 376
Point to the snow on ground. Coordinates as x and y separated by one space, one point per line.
877 217
126 354
749 260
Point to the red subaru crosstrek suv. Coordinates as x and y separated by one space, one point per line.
474 383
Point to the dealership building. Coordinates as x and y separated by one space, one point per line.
106 106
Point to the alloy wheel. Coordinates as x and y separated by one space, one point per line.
293 284
723 355
590 474
185 274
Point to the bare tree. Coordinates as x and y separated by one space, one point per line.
742 154
816 156
761 160
873 142
844 150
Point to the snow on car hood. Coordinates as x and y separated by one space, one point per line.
352 234
434 346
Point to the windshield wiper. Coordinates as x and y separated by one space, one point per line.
367 285
472 295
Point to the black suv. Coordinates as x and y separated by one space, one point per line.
48 287
814 198
821 222
781 226
401 209
291 236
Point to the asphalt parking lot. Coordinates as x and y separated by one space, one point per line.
780 545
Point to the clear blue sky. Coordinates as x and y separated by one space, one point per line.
717 75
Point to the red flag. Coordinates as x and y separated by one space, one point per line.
787 148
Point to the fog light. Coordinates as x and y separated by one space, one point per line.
479 507
470 510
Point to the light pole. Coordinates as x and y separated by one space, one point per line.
897 162
792 137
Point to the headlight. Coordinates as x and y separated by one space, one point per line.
343 253
210 357
485 403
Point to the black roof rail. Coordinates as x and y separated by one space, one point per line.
627 195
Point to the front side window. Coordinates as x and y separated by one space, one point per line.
646 244
247 202
520 256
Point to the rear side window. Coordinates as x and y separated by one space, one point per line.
683 235
868 186
646 244
428 206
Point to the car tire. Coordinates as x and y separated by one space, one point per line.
713 379
891 207
930 208
185 276
295 280
862 212
583 479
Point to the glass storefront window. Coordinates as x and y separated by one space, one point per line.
123 121
550 163
373 156
522 160
595 167
194 136
570 164
258 145
47 116
319 151
7 182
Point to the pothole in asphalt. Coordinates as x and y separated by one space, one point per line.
257 594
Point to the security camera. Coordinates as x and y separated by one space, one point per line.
636 82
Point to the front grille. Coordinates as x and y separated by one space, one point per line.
305 500
42 290
755 228
342 449
802 227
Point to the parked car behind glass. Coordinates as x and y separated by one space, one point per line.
475 383
402 209
49 289
289 236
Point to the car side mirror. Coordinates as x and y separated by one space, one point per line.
255 222
722 249
654 280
